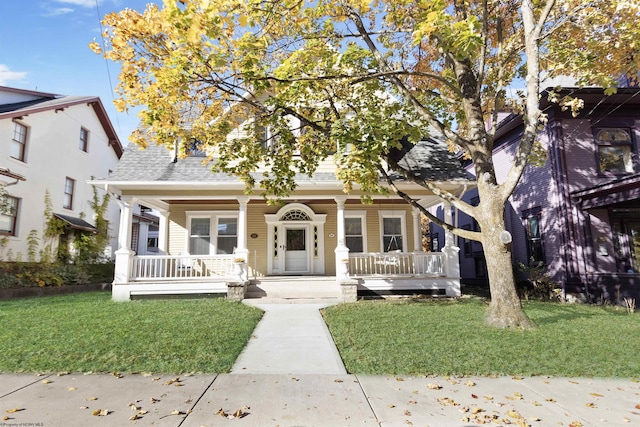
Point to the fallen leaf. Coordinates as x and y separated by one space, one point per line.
574 382
517 378
413 402
638 406
176 412
5 418
470 383
407 412
488 397
432 386
172 381
514 414
134 407
135 417
62 374
596 394
14 410
154 400
92 398
535 403
477 410
590 405
117 375
474 396
221 412
46 381
101 412
142 412
156 379
399 379
627 419
72 388
550 399
84 407
178 385
338 381
295 379
575 424
407 422
392 406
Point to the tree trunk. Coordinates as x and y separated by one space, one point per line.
505 309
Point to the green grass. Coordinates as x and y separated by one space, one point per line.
90 333
451 338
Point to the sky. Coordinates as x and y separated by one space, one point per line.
44 47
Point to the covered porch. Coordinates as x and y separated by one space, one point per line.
306 237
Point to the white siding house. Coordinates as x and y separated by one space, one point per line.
52 143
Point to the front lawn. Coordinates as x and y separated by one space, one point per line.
90 333
450 337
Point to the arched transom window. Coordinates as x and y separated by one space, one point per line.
295 215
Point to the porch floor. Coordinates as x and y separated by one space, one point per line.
294 289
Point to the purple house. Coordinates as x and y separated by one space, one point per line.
578 213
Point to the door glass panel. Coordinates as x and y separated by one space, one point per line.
296 240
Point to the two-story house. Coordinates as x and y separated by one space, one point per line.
578 213
207 223
52 144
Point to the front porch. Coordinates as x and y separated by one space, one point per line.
372 272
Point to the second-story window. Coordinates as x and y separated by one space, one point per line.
84 140
19 142
615 150
69 188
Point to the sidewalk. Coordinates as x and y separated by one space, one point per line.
290 374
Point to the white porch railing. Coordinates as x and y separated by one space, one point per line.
397 264
182 267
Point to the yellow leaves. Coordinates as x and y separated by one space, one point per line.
237 414
46 381
101 412
432 386
95 47
14 410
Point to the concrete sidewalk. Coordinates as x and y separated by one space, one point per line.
314 400
290 374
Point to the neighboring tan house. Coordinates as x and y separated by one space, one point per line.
52 143
579 213
206 222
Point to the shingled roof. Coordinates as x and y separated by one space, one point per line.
429 160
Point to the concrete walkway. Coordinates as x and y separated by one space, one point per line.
290 339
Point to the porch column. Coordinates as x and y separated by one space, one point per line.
341 251
417 230
452 260
241 249
124 253
163 232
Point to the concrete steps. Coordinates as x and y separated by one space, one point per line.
294 289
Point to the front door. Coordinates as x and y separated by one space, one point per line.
296 257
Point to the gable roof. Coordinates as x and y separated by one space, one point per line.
47 102
429 160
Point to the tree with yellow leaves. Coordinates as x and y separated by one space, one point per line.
366 74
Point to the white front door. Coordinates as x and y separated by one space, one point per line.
296 254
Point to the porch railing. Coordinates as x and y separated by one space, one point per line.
183 267
397 264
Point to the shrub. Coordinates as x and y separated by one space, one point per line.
30 274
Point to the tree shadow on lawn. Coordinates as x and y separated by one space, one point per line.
549 313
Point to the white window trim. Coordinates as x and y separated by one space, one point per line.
363 218
403 226
214 217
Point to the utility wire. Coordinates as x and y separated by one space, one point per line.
106 62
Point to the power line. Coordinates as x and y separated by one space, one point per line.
106 61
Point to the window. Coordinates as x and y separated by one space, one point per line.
195 148
200 236
614 150
19 142
212 232
84 140
353 230
534 236
393 227
9 215
227 235
69 186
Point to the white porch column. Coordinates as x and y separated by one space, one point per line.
124 253
341 251
163 232
417 230
453 261
241 250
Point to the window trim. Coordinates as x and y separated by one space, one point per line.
84 143
403 227
14 226
71 195
214 217
23 144
526 214
630 144
362 215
